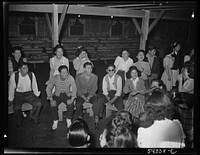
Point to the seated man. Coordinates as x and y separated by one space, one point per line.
65 91
112 89
23 88
86 83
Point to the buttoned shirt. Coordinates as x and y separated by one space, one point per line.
123 65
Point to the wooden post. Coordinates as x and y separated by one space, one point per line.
55 25
65 7
144 29
36 26
48 22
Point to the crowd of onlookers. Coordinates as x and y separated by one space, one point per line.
153 109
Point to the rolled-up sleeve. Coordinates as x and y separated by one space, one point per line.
35 86
104 87
50 87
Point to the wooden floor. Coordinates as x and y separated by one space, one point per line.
42 136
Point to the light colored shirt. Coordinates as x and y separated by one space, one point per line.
112 85
188 86
135 82
24 85
123 65
144 67
162 134
56 63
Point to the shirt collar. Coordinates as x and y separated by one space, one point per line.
84 75
136 80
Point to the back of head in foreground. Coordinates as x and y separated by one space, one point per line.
118 134
78 135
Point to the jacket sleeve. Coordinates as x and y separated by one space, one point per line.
74 88
94 86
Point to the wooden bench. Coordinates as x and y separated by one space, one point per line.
25 107
109 109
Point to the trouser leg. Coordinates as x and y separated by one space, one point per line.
79 107
35 102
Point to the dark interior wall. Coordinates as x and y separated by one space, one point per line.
97 35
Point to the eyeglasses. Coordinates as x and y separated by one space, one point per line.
110 70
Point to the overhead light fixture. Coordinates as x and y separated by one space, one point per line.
192 14
111 16
79 16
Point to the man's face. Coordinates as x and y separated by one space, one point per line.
64 73
24 70
88 69
110 71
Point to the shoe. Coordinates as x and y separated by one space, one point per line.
69 122
55 124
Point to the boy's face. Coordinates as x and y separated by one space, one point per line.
88 69
111 71
140 56
24 70
64 73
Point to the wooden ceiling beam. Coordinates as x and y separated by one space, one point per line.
95 11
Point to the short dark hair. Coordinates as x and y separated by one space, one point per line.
23 64
110 65
17 48
160 83
78 133
58 46
63 67
128 74
88 64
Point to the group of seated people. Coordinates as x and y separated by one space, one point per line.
144 104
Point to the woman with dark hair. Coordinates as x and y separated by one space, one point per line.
122 63
135 86
15 60
78 135
143 67
81 58
118 132
186 101
57 61
159 129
